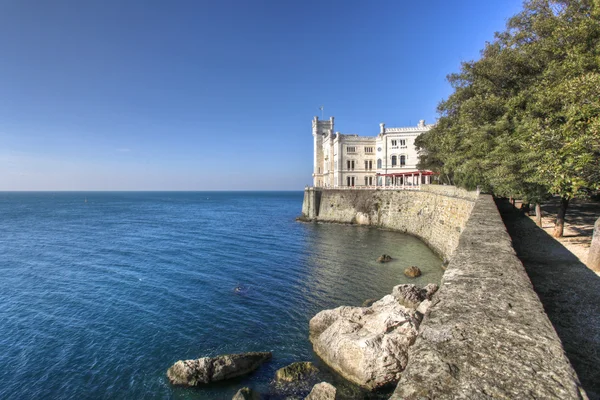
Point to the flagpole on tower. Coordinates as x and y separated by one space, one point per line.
321 108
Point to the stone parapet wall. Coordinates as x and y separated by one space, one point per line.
451 191
486 335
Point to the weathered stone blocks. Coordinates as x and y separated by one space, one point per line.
438 219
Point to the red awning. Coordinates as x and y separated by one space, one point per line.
416 173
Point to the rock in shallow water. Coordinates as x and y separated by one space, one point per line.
384 258
212 369
322 391
367 346
296 372
369 302
412 272
246 394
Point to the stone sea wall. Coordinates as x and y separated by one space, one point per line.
436 214
485 335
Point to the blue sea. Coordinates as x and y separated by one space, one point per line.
101 292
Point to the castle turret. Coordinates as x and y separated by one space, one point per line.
322 132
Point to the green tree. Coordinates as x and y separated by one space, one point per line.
524 119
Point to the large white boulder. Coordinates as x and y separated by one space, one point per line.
366 345
369 345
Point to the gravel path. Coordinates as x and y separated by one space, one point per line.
569 291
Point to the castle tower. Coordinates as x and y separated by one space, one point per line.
321 130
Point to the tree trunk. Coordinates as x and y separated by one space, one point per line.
538 215
559 225
593 260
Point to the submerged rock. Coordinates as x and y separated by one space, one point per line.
366 345
240 289
384 258
246 393
296 372
212 369
369 302
412 272
322 391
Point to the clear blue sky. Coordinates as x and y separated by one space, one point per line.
215 95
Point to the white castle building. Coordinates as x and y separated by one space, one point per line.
388 159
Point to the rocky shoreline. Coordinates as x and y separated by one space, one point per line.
367 346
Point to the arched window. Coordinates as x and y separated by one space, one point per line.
394 161
379 163
402 161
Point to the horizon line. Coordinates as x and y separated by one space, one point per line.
151 190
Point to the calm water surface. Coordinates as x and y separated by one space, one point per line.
101 292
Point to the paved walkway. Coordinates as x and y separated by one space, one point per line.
579 225
569 291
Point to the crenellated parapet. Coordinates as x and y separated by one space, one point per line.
409 129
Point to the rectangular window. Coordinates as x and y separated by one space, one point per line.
348 164
369 150
353 166
366 165
402 160
351 149
394 143
370 165
403 142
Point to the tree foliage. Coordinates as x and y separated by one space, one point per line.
524 120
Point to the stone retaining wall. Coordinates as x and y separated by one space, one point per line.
436 214
486 335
